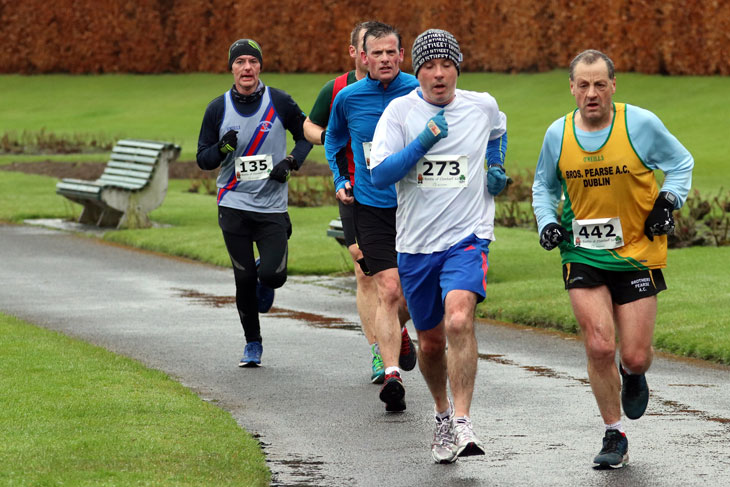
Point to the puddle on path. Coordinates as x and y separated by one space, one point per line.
311 319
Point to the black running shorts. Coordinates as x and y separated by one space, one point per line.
347 216
375 233
624 287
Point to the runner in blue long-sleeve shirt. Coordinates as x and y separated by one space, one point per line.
355 113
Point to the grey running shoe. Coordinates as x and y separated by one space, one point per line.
467 443
443 449
408 357
634 394
615 451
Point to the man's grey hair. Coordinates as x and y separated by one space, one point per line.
590 56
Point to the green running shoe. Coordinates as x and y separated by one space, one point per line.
378 375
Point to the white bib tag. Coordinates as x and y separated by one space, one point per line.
253 168
366 146
598 233
442 171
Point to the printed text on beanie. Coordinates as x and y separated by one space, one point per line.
435 44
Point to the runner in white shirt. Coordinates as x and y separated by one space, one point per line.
432 143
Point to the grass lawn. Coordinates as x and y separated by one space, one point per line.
170 107
75 414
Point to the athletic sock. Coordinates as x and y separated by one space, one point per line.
375 349
390 370
615 426
446 414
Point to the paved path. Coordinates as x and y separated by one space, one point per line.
311 405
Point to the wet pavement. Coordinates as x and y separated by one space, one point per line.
311 405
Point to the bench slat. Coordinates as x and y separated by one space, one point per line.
80 190
112 171
112 180
83 188
85 182
142 168
108 177
135 151
130 185
146 144
134 158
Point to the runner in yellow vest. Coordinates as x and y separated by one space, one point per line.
611 234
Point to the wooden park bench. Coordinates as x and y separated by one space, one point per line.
134 182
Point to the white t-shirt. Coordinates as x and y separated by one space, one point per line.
444 200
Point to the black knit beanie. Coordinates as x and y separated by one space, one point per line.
242 47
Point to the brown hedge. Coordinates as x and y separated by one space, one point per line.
158 36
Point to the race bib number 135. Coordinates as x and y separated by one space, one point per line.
252 168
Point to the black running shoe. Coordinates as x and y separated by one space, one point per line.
615 451
408 357
634 394
393 393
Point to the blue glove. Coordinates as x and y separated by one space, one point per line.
436 129
496 179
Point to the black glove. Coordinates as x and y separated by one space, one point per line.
281 170
661 220
228 142
552 235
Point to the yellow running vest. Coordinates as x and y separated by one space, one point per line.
607 183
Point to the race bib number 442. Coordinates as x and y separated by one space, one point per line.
598 233
442 171
252 168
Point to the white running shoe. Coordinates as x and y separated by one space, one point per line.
467 443
443 449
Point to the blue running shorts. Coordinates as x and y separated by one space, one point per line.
427 278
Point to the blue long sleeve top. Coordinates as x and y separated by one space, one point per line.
354 115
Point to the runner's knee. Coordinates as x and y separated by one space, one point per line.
600 350
459 321
637 361
431 346
273 280
389 292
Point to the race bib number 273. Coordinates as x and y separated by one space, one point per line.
442 171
